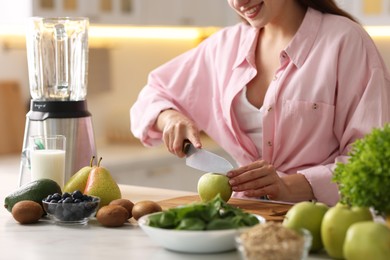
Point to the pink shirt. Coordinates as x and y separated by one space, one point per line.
332 87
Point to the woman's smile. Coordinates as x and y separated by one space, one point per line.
252 11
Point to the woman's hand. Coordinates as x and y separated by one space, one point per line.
260 179
176 128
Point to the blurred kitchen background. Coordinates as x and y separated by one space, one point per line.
128 39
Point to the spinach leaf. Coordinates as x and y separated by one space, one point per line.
191 224
212 215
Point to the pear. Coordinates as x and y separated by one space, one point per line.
78 181
101 184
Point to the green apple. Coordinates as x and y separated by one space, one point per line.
307 215
367 240
212 184
335 224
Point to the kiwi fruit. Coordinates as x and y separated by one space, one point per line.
145 207
127 204
27 212
112 215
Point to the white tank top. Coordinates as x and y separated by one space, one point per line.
250 120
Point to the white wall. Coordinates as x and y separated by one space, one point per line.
129 69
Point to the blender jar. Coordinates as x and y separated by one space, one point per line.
57 51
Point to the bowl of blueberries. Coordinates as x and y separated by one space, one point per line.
70 208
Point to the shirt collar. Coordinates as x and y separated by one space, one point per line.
247 45
303 41
297 50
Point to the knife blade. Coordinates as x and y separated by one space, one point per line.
206 161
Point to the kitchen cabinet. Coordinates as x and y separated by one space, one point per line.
98 11
126 12
188 12
368 12
166 12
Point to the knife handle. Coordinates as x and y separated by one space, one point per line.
186 146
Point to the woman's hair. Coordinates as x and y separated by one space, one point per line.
326 6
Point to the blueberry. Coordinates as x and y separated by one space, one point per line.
58 211
77 194
48 198
56 196
87 198
51 208
68 200
53 201
78 215
66 195
89 208
66 215
77 201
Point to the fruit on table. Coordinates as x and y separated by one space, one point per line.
307 215
78 181
101 184
335 224
70 207
145 207
367 240
127 204
212 184
27 212
112 215
36 191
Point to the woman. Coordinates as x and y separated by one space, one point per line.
285 93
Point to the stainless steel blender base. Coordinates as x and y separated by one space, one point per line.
80 142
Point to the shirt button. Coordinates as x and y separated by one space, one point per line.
275 77
315 106
269 109
269 143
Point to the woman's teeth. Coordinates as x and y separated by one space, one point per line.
252 10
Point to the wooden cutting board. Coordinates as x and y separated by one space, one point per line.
271 211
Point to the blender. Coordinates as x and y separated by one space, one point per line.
57 56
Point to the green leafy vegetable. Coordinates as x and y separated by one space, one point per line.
213 215
365 179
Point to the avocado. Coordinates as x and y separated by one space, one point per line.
36 191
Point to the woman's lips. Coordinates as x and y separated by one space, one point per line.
251 12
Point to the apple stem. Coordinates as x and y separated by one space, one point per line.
100 159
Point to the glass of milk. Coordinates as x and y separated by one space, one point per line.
47 158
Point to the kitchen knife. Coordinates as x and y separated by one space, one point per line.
206 161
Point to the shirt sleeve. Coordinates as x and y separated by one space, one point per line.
174 85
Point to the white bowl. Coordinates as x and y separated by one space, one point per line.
212 241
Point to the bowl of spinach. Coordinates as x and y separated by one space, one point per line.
199 227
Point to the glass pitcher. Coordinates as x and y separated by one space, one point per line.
57 56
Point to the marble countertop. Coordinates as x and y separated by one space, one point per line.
46 240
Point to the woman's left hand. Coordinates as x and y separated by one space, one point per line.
258 179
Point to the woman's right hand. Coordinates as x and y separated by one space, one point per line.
176 128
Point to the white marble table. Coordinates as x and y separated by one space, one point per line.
49 241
